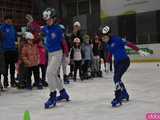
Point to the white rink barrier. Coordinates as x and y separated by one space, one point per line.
154 49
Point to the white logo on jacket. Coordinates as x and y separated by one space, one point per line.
53 35
7 30
112 45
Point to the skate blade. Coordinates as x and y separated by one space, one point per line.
64 100
117 106
49 107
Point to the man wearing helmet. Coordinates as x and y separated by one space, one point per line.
116 46
54 37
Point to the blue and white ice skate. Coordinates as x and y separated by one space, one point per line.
51 101
116 102
63 96
66 81
124 95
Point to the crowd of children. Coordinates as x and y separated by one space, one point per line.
82 53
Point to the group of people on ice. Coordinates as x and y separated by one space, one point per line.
43 50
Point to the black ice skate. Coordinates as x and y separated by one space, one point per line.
116 102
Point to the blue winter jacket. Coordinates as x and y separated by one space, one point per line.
54 36
9 37
116 46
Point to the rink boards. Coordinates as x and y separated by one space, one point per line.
154 49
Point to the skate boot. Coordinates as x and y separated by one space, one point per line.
1 87
82 77
29 87
5 83
39 86
99 73
44 83
116 102
13 82
124 93
93 74
63 96
70 75
21 85
34 84
74 79
51 101
65 78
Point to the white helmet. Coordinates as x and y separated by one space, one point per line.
49 13
77 23
28 35
76 40
106 30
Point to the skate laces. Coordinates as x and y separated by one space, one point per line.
118 86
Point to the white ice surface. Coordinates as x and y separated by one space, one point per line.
90 99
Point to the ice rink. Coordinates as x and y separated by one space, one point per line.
90 100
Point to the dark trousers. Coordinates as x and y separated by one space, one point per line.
10 60
35 71
110 65
2 63
71 68
119 69
22 75
43 69
87 64
77 65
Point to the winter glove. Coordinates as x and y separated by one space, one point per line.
143 53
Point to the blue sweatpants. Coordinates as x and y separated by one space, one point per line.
119 69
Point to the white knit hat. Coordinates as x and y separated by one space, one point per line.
77 23
28 35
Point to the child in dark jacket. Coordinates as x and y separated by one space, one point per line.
43 60
97 48
77 57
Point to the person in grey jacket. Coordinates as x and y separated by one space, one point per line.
88 57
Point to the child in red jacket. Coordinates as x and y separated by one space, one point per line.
43 59
31 59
